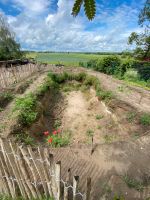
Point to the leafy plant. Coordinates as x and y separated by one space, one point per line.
58 139
25 138
26 107
90 133
145 119
98 117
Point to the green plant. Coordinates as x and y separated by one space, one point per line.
57 124
90 133
1 109
99 127
133 183
59 140
25 138
98 117
26 107
109 138
131 116
145 119
104 95
118 197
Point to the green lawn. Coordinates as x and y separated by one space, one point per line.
68 59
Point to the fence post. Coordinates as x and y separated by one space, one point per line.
58 179
66 189
75 186
88 189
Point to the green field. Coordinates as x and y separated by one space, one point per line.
68 59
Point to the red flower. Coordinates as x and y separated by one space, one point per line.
46 133
50 140
54 132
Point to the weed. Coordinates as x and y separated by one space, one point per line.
131 116
145 119
118 197
90 133
7 96
133 183
2 128
109 138
98 117
99 127
104 95
26 107
25 138
1 109
107 189
57 124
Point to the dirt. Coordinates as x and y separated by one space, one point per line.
120 147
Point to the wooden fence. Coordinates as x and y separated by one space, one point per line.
14 74
32 173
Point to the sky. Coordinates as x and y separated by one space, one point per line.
47 25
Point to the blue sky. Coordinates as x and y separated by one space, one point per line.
48 24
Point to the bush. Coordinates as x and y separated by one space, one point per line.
110 64
92 63
5 98
131 75
144 71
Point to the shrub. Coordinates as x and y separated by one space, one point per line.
5 98
131 75
145 119
109 64
144 71
92 63
26 106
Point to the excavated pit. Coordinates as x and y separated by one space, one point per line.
80 114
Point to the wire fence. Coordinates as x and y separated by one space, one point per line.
33 174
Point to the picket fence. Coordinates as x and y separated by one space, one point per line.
32 173
14 74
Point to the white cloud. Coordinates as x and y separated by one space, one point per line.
60 31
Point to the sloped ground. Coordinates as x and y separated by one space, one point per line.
108 163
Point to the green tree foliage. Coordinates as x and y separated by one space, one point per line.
9 48
89 8
142 40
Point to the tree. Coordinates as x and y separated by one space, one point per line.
9 48
89 8
142 40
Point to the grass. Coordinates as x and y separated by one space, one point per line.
109 138
145 119
25 138
98 117
67 59
131 116
133 183
90 133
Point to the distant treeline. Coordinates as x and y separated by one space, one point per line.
67 52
